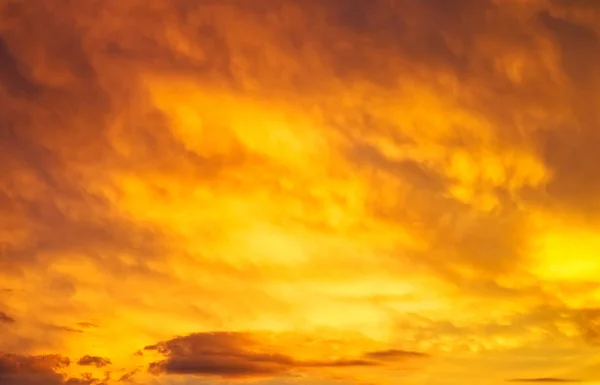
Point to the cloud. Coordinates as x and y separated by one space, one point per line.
127 377
6 318
66 329
87 325
69 185
570 156
24 370
241 355
98 362
251 165
588 322
394 354
38 370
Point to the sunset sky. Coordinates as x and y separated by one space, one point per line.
320 192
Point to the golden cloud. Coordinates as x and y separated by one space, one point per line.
371 179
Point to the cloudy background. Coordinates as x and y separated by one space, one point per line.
299 192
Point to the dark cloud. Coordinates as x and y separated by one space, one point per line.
381 24
343 363
394 354
569 149
5 318
588 321
32 370
38 370
96 361
579 46
128 377
65 329
14 81
87 325
240 355
218 354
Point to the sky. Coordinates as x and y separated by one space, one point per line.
321 192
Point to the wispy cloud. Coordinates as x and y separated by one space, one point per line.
5 318
96 361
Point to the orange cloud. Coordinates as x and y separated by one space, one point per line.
365 180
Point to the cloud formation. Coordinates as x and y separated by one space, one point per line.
394 354
39 370
98 362
375 178
5 318
240 355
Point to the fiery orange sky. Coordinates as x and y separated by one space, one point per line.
204 192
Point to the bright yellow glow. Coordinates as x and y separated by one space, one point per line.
568 253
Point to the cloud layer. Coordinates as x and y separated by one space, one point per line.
301 191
